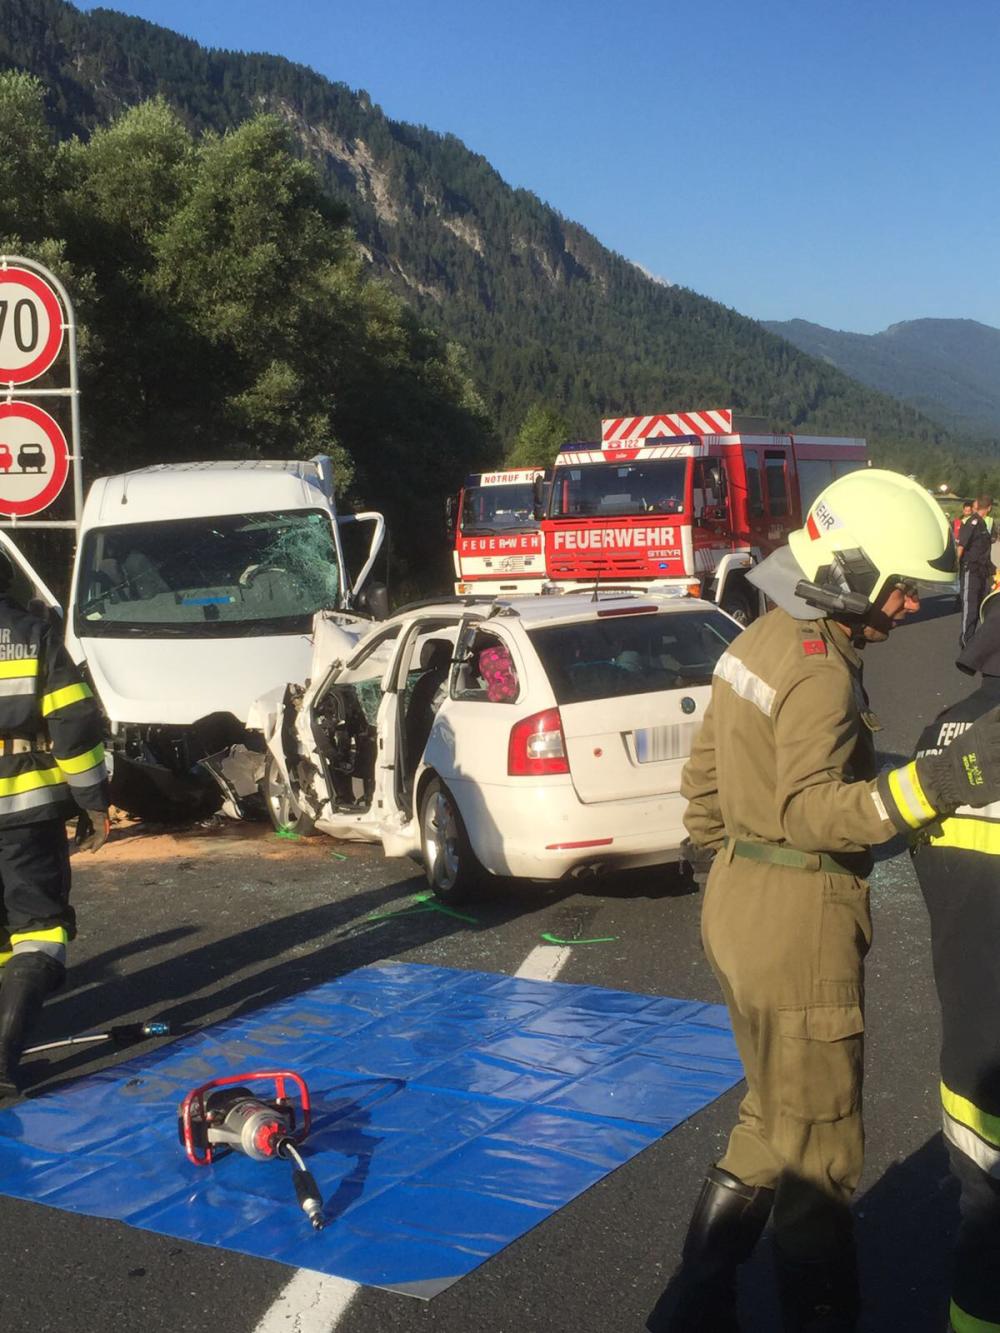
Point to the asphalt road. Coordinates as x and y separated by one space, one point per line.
200 925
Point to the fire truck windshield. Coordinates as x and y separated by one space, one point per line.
619 490
490 509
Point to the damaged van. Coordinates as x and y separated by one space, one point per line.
193 592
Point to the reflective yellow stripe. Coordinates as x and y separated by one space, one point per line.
50 935
908 794
21 782
967 1113
968 1323
5 957
81 762
69 694
24 666
969 835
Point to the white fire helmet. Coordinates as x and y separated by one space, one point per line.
871 528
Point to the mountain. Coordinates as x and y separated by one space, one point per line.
546 313
948 369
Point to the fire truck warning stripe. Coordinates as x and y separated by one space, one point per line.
467 1106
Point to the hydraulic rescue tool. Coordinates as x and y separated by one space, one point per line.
224 1115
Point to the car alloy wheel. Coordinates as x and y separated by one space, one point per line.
453 871
286 814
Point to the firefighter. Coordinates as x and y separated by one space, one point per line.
51 765
782 785
956 864
975 545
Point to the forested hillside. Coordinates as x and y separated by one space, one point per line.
547 316
949 369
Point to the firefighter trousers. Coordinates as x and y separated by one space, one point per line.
35 882
975 1289
973 585
788 948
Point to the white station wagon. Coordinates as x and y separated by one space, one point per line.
532 737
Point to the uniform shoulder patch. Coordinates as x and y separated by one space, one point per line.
814 647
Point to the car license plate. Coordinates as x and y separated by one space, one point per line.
653 744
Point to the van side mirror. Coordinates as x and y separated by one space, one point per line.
450 514
374 598
538 498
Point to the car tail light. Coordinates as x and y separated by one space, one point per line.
537 746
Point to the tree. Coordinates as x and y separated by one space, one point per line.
543 432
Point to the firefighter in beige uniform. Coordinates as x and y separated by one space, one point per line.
781 786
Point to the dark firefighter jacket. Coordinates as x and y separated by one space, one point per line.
44 702
958 865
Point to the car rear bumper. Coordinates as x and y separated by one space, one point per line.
544 831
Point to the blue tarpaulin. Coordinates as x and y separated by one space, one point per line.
453 1111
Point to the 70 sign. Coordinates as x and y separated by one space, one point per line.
31 326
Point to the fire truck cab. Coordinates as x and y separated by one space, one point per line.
690 500
496 543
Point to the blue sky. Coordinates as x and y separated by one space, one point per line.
834 160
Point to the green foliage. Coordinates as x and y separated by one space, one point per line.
225 311
543 432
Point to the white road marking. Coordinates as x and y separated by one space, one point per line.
545 962
309 1303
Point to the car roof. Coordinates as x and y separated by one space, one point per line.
533 610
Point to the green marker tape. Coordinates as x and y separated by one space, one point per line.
338 856
602 939
423 902
286 833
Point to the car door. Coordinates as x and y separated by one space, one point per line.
28 585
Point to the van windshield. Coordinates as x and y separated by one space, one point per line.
234 574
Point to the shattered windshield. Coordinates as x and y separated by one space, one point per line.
490 509
598 489
265 573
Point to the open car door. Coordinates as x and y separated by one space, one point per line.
27 583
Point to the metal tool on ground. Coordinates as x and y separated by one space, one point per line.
224 1115
122 1034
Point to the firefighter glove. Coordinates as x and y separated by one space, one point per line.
966 772
697 861
92 829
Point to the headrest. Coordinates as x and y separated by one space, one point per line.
435 653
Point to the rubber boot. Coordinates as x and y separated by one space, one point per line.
819 1295
27 979
725 1226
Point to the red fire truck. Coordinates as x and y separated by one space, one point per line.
497 546
683 498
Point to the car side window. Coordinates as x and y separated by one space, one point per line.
486 671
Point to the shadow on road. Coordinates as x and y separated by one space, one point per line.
283 956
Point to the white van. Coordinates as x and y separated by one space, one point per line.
193 592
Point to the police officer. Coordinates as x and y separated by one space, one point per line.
956 864
975 544
51 765
781 784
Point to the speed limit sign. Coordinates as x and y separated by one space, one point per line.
31 326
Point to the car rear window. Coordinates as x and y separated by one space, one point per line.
633 654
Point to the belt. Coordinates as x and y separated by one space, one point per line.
786 856
17 745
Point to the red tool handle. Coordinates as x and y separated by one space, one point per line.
196 1099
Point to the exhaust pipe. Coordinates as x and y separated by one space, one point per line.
589 870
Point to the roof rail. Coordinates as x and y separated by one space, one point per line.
446 599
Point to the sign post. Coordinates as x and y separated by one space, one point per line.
36 318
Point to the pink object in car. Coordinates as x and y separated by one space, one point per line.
497 669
